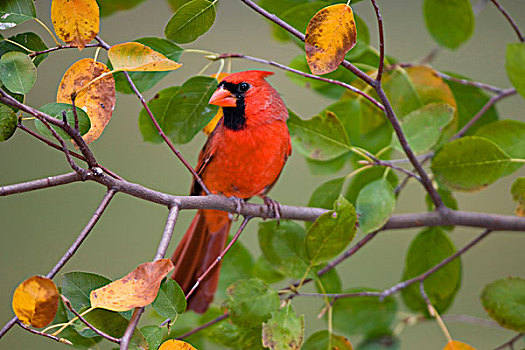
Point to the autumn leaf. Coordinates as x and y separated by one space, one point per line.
138 288
330 34
213 123
174 344
97 99
75 21
136 57
35 301
457 345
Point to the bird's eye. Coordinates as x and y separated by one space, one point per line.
243 87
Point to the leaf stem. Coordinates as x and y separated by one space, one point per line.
71 321
48 30
19 45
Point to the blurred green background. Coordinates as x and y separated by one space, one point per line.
38 227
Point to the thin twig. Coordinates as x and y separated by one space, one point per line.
510 343
510 20
161 251
359 73
59 148
157 126
34 331
219 258
306 75
126 338
482 111
381 42
206 325
67 303
467 82
61 47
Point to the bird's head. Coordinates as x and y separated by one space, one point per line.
244 95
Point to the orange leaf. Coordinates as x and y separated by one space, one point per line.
136 289
330 34
213 123
98 100
457 345
75 21
135 57
35 301
174 344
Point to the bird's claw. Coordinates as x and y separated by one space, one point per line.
239 204
274 207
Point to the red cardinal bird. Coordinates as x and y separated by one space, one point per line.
242 158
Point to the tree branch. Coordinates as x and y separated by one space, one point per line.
50 181
56 48
306 75
510 20
510 344
381 42
67 303
206 325
161 252
34 331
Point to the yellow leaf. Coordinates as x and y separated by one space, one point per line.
174 344
136 289
213 123
75 21
457 345
98 100
135 57
330 34
35 301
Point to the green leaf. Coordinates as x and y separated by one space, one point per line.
114 324
69 333
469 100
429 248
153 335
190 21
325 195
518 194
158 106
76 286
170 301
108 7
319 167
236 265
283 246
423 126
18 97
331 232
13 12
55 110
322 137
386 342
146 80
509 135
364 315
515 65
8 122
325 340
17 72
264 270
234 336
30 41
188 112
284 330
504 301
450 22
360 180
251 302
469 163
375 203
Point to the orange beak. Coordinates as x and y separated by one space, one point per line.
223 98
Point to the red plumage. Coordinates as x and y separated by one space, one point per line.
243 157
